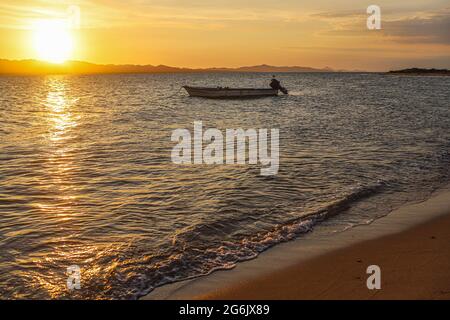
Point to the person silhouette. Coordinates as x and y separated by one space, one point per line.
276 85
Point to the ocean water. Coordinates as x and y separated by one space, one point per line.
86 176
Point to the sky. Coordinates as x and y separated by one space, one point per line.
232 33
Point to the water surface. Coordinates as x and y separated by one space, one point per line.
86 176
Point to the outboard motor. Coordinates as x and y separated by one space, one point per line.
284 90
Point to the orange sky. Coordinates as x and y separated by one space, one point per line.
206 33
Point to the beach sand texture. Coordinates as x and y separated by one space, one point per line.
411 246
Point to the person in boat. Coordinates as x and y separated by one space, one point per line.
276 85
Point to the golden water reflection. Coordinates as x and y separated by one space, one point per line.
61 154
60 185
58 105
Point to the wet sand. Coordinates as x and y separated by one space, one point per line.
415 264
411 246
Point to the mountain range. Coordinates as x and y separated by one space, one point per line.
36 67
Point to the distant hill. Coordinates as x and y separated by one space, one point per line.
420 71
267 68
35 67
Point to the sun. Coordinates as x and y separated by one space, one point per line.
52 40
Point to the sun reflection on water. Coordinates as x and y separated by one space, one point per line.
61 122
59 205
61 118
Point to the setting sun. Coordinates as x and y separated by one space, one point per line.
52 41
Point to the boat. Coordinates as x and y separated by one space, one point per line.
224 93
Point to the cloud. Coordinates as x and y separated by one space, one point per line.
170 13
346 50
431 29
338 14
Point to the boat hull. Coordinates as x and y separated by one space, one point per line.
229 93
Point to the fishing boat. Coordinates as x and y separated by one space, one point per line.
223 93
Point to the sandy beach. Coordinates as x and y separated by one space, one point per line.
410 245
413 265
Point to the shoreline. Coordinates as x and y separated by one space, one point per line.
410 245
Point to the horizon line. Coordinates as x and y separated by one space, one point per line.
42 67
65 63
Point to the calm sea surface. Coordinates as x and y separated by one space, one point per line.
86 176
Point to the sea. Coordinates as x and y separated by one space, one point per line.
87 182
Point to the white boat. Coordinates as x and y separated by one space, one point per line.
221 93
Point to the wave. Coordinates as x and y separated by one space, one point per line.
188 261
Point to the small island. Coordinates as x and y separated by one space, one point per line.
421 72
